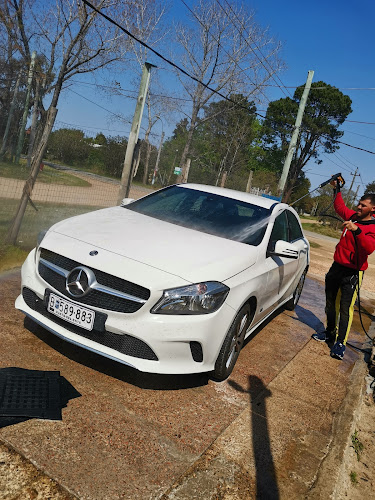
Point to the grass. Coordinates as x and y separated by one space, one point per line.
357 445
48 175
33 222
353 478
320 229
314 244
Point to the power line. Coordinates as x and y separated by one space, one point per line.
162 57
260 60
217 41
364 123
99 106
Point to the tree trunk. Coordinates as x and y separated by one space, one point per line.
29 184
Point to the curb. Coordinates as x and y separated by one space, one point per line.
333 465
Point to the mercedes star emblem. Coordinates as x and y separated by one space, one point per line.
79 281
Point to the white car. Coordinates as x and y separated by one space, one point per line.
171 283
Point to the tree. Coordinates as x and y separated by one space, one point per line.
223 140
74 39
217 49
68 145
370 187
326 109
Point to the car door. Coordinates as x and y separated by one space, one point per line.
297 238
281 271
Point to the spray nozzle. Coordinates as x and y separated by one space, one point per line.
337 177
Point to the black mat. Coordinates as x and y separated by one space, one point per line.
32 394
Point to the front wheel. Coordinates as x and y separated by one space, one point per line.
291 304
232 344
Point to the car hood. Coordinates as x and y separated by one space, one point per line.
189 254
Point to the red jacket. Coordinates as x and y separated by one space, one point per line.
352 250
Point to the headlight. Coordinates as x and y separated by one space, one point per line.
202 298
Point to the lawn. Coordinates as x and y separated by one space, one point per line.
33 222
319 228
48 175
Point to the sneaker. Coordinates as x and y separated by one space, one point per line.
323 336
338 350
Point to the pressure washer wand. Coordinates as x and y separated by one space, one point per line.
337 177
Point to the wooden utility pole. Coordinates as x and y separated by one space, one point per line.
126 178
355 196
21 135
293 140
249 181
185 172
223 179
10 116
157 159
351 185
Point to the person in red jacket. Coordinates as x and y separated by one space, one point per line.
345 276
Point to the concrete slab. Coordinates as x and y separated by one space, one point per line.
133 435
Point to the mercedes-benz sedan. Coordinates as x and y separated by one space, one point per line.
171 283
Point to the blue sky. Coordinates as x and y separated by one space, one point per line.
333 38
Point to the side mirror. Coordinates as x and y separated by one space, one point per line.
126 201
284 249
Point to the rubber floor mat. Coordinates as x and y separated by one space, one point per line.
33 393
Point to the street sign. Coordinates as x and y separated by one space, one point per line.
177 170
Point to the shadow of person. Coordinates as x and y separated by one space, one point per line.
266 481
308 318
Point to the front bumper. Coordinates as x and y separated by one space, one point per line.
173 339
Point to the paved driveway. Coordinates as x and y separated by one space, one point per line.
132 435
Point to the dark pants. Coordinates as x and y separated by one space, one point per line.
342 285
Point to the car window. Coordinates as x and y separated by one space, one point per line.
210 213
295 231
279 231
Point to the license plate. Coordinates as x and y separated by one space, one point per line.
69 311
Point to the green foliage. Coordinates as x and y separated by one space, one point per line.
370 187
326 109
354 478
68 146
357 445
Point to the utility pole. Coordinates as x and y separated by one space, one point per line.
10 116
355 196
249 181
26 109
157 159
293 140
126 178
351 185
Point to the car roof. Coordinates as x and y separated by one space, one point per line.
260 201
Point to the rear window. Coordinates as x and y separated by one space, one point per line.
206 212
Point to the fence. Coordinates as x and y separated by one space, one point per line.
59 192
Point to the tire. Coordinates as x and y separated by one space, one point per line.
291 304
232 344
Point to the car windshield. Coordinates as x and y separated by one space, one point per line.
206 212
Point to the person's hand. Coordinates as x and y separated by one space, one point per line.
349 225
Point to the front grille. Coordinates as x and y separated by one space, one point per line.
125 344
94 298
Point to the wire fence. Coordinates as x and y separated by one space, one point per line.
59 193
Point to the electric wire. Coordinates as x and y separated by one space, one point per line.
248 34
217 41
183 71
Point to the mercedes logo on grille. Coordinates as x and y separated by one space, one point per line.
79 281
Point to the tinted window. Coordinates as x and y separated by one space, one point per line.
294 228
279 231
206 212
